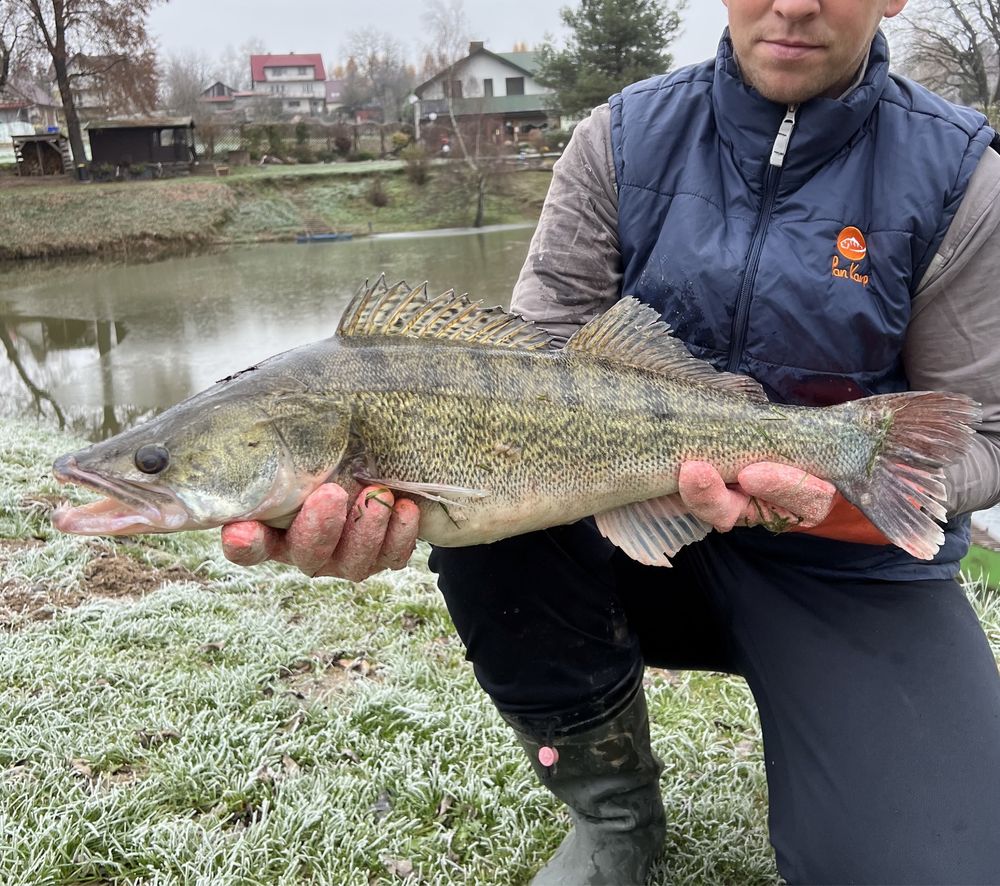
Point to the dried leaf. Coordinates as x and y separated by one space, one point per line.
290 766
81 767
347 752
446 803
215 646
400 867
150 739
411 622
293 723
383 805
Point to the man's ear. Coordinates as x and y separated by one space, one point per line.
895 7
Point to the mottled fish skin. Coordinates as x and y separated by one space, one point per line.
554 437
495 433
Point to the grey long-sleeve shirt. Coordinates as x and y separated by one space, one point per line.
573 273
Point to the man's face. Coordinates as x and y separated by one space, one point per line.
794 50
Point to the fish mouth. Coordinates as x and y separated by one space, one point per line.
125 510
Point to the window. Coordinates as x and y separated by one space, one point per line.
303 72
515 86
452 88
293 104
488 87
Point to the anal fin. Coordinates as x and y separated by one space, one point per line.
652 531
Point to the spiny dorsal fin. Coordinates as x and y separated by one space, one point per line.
402 311
633 333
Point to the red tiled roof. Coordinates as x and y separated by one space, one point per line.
259 62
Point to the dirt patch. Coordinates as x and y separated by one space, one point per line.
107 575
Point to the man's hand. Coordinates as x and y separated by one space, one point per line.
777 496
773 495
333 535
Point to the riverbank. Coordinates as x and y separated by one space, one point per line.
145 219
166 712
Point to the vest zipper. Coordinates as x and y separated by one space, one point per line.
741 314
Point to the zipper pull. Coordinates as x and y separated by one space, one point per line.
784 134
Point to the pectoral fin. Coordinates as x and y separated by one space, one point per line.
652 531
455 496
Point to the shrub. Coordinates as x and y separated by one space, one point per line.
358 156
304 154
376 193
325 156
399 141
417 162
301 133
275 141
342 141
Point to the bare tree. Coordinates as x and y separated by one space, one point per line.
953 47
380 71
113 31
233 67
13 42
183 78
448 29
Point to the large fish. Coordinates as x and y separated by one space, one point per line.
494 432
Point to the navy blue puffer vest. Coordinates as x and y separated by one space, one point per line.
798 271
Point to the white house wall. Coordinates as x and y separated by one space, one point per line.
484 67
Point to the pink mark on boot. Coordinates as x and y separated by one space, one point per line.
548 756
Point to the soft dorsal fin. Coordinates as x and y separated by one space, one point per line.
632 333
402 311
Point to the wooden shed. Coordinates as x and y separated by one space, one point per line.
147 140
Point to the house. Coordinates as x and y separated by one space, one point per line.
232 105
497 89
298 82
146 140
28 104
89 76
334 89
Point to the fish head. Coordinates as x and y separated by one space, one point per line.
203 463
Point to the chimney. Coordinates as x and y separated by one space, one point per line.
475 46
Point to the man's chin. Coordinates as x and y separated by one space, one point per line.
785 90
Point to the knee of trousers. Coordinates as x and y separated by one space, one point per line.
542 624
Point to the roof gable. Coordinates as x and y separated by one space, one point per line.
293 60
518 61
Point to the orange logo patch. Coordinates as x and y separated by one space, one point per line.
851 244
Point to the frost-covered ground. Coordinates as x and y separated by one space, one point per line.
167 717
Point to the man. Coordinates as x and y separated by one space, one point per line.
798 215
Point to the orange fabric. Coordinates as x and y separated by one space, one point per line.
846 523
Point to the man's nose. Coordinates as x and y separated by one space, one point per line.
795 10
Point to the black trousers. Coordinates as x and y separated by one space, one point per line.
879 701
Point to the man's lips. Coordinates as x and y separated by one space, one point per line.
784 50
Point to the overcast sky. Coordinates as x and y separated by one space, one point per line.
322 25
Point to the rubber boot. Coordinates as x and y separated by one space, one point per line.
609 778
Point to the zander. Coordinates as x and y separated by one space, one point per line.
473 413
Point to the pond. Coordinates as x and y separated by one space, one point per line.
96 347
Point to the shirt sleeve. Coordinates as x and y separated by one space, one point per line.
573 269
953 340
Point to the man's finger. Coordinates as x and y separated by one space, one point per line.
400 535
248 543
792 489
706 495
362 536
316 530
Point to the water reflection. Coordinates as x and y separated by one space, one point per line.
96 348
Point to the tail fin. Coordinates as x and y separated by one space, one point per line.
903 491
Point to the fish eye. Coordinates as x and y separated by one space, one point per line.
151 458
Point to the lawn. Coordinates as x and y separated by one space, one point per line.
149 218
172 718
